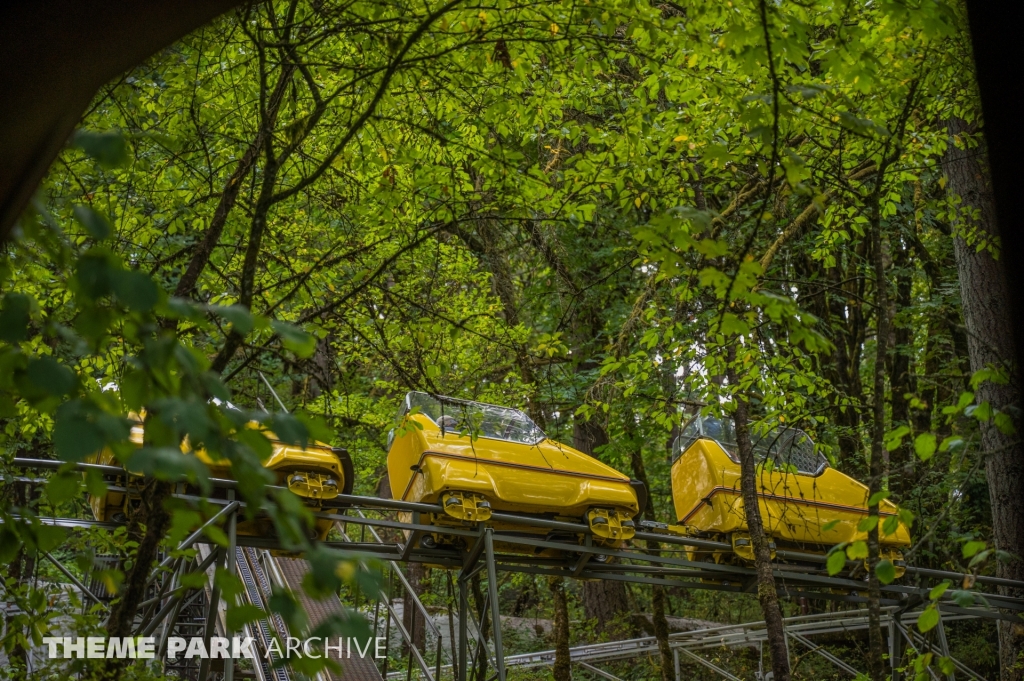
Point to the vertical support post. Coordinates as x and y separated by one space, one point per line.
211 622
463 627
387 626
229 663
944 645
785 638
895 646
169 623
412 643
675 659
452 606
492 589
437 660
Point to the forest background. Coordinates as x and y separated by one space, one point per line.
604 212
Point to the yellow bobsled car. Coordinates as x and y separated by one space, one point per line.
806 505
316 474
474 459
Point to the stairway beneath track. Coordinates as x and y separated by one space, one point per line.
354 668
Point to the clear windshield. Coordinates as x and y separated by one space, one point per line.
474 419
788 449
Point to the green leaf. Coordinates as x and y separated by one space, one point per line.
135 289
194 580
14 317
256 441
963 598
241 319
878 497
94 222
289 430
938 590
230 585
183 520
49 537
927 620
62 486
10 544
951 443
980 558
74 436
47 376
894 438
867 524
170 464
972 547
135 387
294 338
925 445
95 484
239 615
94 272
836 562
109 148
216 535
886 571
830 525
891 525
317 428
857 550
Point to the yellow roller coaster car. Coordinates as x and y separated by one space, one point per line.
806 505
475 459
316 474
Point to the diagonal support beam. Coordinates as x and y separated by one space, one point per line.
715 668
77 582
600 672
192 538
581 564
824 653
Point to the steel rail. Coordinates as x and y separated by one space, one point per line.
621 572
348 500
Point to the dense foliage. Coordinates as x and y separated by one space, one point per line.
597 211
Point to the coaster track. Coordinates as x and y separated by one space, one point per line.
797 574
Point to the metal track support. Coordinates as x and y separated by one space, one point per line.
940 630
713 667
211 622
895 646
492 588
820 650
463 665
229 663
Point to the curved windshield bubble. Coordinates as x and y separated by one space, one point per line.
474 419
787 448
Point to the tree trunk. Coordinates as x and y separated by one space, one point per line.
766 592
561 671
412 618
503 286
229 195
990 343
876 645
901 379
603 600
155 519
657 592
21 569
